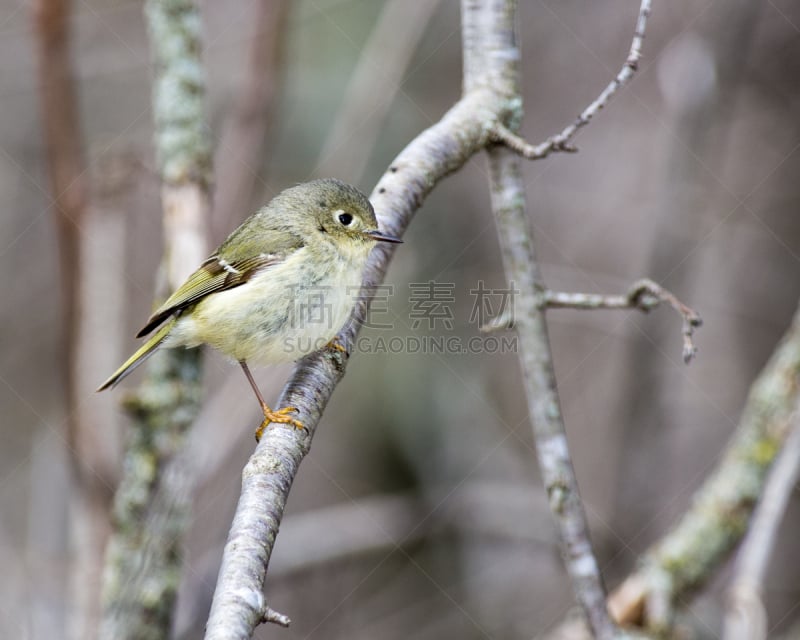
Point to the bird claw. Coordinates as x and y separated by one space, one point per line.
336 345
280 416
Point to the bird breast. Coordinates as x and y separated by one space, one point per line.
282 313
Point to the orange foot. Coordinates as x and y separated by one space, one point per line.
281 416
335 344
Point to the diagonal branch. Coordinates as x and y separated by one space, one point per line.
238 605
561 141
644 295
747 616
686 557
701 541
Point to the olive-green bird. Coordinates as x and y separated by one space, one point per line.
280 286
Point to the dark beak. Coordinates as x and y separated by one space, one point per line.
383 237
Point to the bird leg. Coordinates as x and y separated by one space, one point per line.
279 416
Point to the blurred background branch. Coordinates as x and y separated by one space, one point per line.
66 168
689 178
721 510
372 88
144 558
89 320
746 618
689 555
243 144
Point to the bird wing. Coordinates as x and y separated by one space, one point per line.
215 274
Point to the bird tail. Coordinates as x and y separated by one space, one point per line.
144 352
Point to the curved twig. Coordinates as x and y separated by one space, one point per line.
644 295
561 141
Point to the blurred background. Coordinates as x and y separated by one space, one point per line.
419 512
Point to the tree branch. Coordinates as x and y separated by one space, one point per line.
500 68
747 617
540 388
561 141
151 506
514 513
238 605
686 557
644 295
507 513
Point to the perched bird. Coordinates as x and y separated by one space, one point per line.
278 288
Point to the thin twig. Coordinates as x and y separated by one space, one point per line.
644 295
561 141
270 615
641 296
747 616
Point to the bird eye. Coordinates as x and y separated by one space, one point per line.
345 218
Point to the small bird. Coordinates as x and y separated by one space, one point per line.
278 288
